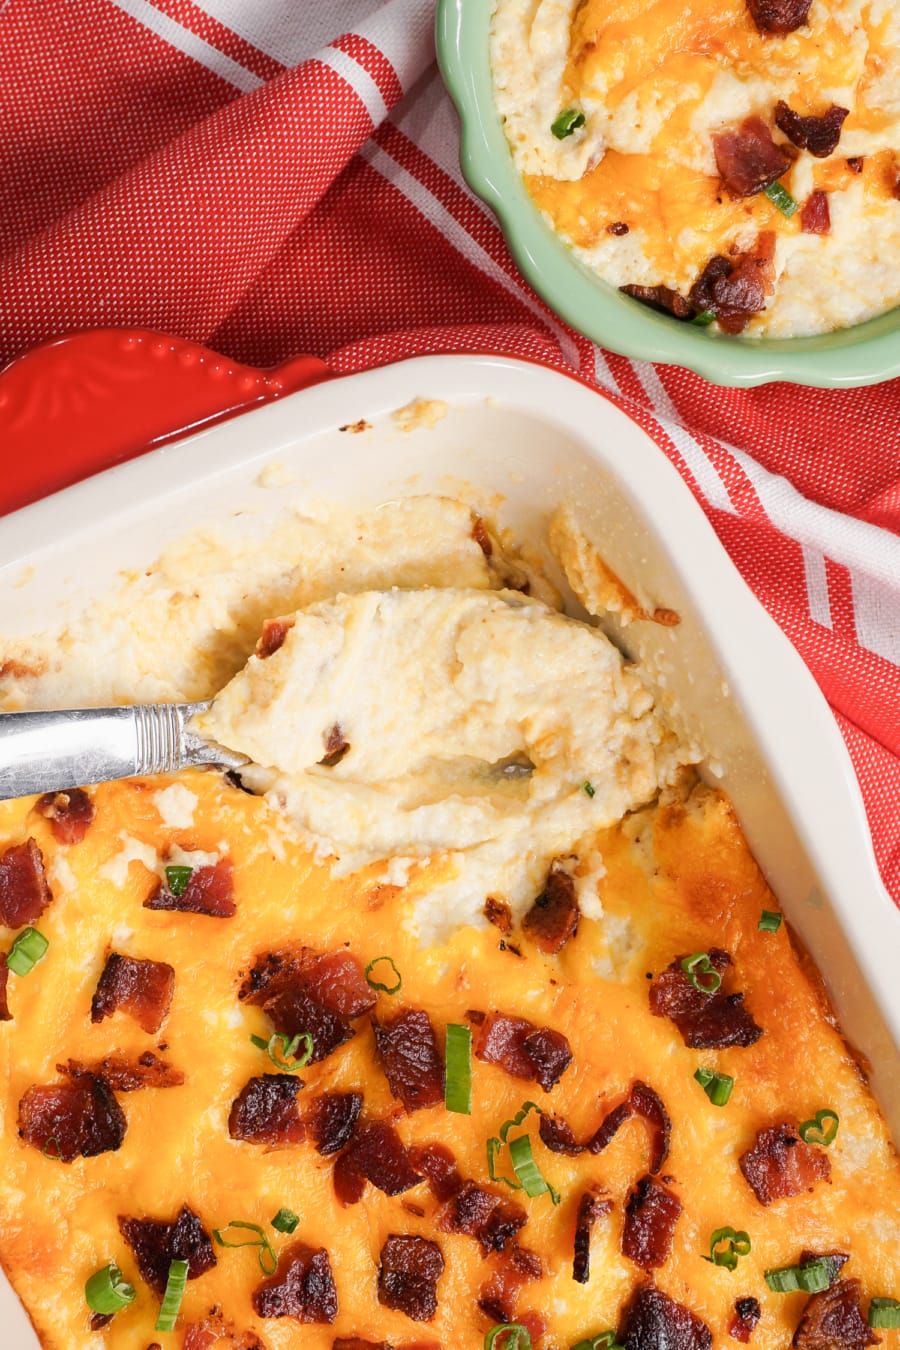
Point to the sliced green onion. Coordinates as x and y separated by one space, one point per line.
567 122
701 972
177 879
267 1257
106 1292
704 318
54 1142
495 1146
527 1170
285 1221
737 1245
589 788
282 1051
509 1335
884 1312
171 1304
385 988
517 1119
26 951
769 921
606 1340
458 1070
821 1129
811 1278
780 197
717 1086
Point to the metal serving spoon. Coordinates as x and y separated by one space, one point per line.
53 751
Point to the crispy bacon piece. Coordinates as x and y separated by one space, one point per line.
836 1260
641 1101
143 989
498 913
376 1154
482 537
24 893
736 288
156 1244
651 1213
592 1206
336 747
408 1274
706 1021
302 990
123 1075
210 891
747 1313
780 1164
305 1291
357 1343
818 135
832 1320
558 1135
815 218
274 631
553 918
331 1120
69 813
524 1050
438 1164
662 298
779 16
409 1055
747 158
265 1111
5 1014
101 1320
70 1120
515 1268
483 1215
653 1321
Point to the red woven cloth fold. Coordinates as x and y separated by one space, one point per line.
273 177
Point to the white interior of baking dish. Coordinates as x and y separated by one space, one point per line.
517 440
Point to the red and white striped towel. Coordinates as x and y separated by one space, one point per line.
278 176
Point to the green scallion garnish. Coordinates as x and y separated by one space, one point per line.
526 1169
701 972
821 1129
282 1051
780 197
285 1221
704 318
458 1070
267 1258
177 879
376 984
769 921
810 1278
106 1292
606 1340
726 1247
884 1313
589 788
567 122
171 1304
508 1336
717 1086
27 949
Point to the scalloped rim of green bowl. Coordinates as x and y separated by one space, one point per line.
867 353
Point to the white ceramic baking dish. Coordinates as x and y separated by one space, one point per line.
519 439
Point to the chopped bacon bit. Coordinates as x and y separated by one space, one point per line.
122 1075
553 918
274 631
481 536
516 1267
376 1154
409 1055
143 989
5 1014
331 1120
522 1049
70 1120
100 1320
651 1213
747 1313
336 747
265 1111
305 1291
69 813
534 1324
649 1106
591 1207
210 891
357 1343
483 1215
156 1244
706 1021
610 1125
815 218
855 163
307 991
498 913
653 1321
779 16
748 159
618 227
736 288
662 298
559 1137
780 1164
832 1320
408 1274
438 1164
818 135
641 1101
24 893
836 1260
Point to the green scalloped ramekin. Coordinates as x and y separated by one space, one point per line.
864 354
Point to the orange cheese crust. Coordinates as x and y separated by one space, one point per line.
679 879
